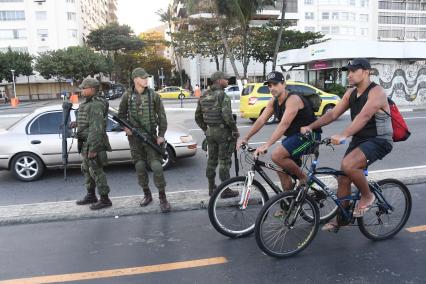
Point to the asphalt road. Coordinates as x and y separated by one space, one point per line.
111 247
189 174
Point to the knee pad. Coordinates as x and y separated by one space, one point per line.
156 166
140 166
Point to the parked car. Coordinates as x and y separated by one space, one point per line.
255 98
33 144
233 91
116 91
173 92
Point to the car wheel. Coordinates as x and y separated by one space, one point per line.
27 166
253 119
171 158
327 108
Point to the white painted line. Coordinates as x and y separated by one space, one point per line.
415 117
13 115
398 169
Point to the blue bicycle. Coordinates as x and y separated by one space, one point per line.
289 221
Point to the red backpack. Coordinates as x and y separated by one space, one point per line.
400 128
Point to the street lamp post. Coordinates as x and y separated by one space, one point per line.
13 79
162 77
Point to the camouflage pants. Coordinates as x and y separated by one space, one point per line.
220 148
143 156
94 175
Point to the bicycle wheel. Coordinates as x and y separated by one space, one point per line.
228 216
282 232
327 207
381 222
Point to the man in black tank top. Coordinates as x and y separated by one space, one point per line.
370 129
293 111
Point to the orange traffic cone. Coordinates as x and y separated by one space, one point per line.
14 102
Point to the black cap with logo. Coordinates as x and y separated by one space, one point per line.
274 77
357 63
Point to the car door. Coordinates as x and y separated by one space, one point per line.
118 141
45 138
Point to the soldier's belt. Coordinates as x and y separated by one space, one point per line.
216 125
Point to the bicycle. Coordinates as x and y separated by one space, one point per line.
235 217
275 235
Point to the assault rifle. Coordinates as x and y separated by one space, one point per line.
236 162
66 109
142 136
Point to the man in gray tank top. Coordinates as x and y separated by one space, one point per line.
371 132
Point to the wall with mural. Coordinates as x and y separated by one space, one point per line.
405 83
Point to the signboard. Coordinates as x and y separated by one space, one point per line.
319 65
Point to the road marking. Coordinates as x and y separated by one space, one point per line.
417 229
415 117
398 169
118 272
13 115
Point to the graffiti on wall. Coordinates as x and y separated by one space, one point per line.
405 84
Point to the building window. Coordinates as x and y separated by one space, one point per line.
309 2
19 49
344 16
309 16
335 15
72 33
310 29
70 1
71 16
291 6
325 15
352 2
335 30
392 18
41 15
325 30
352 17
364 32
394 33
42 34
12 15
348 31
364 3
363 18
13 34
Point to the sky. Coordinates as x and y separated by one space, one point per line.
140 14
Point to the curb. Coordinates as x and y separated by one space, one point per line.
129 205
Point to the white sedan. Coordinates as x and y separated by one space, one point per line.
34 143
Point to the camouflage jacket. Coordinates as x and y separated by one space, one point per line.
224 107
135 108
91 124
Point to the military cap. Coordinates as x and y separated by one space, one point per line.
89 83
219 75
140 72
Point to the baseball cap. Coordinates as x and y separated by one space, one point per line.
357 63
274 77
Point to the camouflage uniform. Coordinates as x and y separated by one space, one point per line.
92 137
214 116
146 112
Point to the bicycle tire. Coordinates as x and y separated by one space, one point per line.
260 231
215 203
378 211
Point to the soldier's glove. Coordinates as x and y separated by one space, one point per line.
204 145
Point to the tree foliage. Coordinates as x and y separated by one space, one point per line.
15 60
74 63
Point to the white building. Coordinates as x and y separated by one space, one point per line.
373 20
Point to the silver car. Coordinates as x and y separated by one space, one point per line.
34 143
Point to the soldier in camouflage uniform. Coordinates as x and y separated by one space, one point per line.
214 116
93 144
142 107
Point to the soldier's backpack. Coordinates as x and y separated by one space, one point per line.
399 126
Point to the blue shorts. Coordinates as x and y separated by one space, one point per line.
298 146
373 148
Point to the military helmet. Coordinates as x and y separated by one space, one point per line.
219 75
140 72
89 83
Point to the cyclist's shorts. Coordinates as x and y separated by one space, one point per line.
298 146
373 148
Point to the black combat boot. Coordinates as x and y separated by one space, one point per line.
147 199
103 202
164 204
229 193
89 198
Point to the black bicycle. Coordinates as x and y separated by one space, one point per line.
235 217
293 229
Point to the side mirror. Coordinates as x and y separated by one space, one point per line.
116 128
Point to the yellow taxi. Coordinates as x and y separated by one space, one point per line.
173 92
255 97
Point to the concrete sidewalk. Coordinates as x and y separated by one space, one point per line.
129 205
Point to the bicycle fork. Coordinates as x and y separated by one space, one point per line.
245 196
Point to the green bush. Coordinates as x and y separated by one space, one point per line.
336 89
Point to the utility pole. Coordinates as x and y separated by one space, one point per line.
13 79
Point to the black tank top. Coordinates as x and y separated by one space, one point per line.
304 116
356 104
